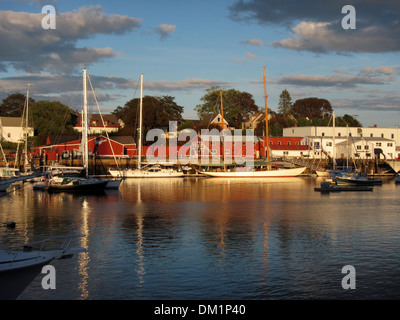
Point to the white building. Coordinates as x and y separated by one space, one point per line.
323 147
363 140
12 129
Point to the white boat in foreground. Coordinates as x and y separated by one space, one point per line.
19 265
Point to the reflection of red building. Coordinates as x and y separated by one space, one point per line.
64 147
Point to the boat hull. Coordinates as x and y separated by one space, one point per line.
146 174
289 173
84 187
358 182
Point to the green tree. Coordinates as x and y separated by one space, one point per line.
13 105
311 108
237 105
156 113
285 103
51 118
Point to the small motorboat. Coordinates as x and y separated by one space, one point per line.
327 187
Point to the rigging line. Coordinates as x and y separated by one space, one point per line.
101 116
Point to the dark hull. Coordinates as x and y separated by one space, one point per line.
13 283
359 182
79 188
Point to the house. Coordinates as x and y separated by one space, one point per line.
216 119
96 126
254 120
12 129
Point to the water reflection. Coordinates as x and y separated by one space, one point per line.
214 238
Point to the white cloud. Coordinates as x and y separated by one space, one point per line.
164 30
27 46
381 70
334 80
254 42
251 56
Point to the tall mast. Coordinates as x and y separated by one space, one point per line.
85 150
266 118
26 126
223 134
334 144
140 122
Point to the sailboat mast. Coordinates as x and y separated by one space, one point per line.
26 126
266 118
223 134
85 155
140 122
334 144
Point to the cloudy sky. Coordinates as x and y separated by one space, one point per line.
184 47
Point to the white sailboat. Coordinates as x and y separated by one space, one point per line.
148 171
77 184
249 172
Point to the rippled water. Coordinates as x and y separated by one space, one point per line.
200 238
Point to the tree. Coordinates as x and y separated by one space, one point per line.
156 113
51 118
311 108
13 105
237 105
285 103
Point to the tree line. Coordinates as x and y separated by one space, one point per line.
56 118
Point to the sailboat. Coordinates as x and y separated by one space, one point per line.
148 171
77 184
248 172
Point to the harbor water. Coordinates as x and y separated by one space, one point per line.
206 238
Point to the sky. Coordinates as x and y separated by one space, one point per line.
184 47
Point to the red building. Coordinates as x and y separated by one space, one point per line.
64 147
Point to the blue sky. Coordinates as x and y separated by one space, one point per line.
184 47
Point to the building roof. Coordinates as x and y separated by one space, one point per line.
291 147
123 139
11 121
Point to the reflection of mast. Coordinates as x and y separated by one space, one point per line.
139 250
84 257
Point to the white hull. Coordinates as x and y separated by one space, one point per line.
281 173
322 173
134 173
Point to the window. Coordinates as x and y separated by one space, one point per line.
288 143
270 143
9 135
297 143
382 135
279 143
371 135
339 134
378 144
358 147
392 135
366 147
329 144
323 134
390 144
